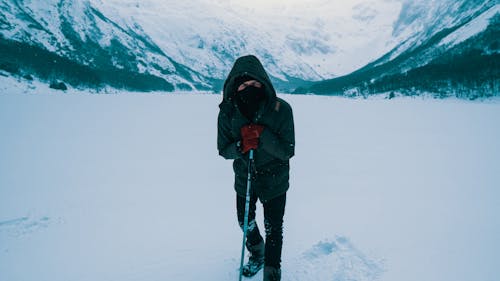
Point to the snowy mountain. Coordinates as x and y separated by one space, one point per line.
191 45
177 45
310 40
448 47
75 42
421 20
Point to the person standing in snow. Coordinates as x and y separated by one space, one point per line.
252 117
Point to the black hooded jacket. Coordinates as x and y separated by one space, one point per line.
276 143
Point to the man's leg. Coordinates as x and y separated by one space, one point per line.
254 243
253 234
274 210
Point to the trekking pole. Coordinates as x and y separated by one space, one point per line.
247 208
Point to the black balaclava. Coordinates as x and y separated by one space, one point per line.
249 100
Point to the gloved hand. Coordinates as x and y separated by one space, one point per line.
250 137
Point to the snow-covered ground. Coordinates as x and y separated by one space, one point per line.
130 187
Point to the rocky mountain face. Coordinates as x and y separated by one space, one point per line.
447 47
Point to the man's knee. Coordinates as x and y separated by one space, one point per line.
274 228
252 225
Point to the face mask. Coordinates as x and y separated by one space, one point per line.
249 100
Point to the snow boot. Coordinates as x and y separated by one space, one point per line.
272 273
256 260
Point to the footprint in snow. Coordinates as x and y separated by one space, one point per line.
334 260
22 226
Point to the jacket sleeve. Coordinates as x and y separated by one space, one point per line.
280 144
226 144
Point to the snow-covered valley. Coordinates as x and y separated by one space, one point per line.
130 187
154 45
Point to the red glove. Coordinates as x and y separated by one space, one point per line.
250 137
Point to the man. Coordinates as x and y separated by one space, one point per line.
252 117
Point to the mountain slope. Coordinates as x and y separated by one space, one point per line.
74 41
172 45
190 45
461 58
310 40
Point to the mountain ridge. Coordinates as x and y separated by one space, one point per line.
399 72
195 50
131 45
78 32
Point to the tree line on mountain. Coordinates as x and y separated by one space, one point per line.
472 74
25 60
469 75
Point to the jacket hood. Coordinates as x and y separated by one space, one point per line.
248 66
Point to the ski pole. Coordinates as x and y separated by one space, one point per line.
247 208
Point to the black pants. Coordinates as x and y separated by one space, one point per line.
274 211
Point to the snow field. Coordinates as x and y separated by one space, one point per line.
130 187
